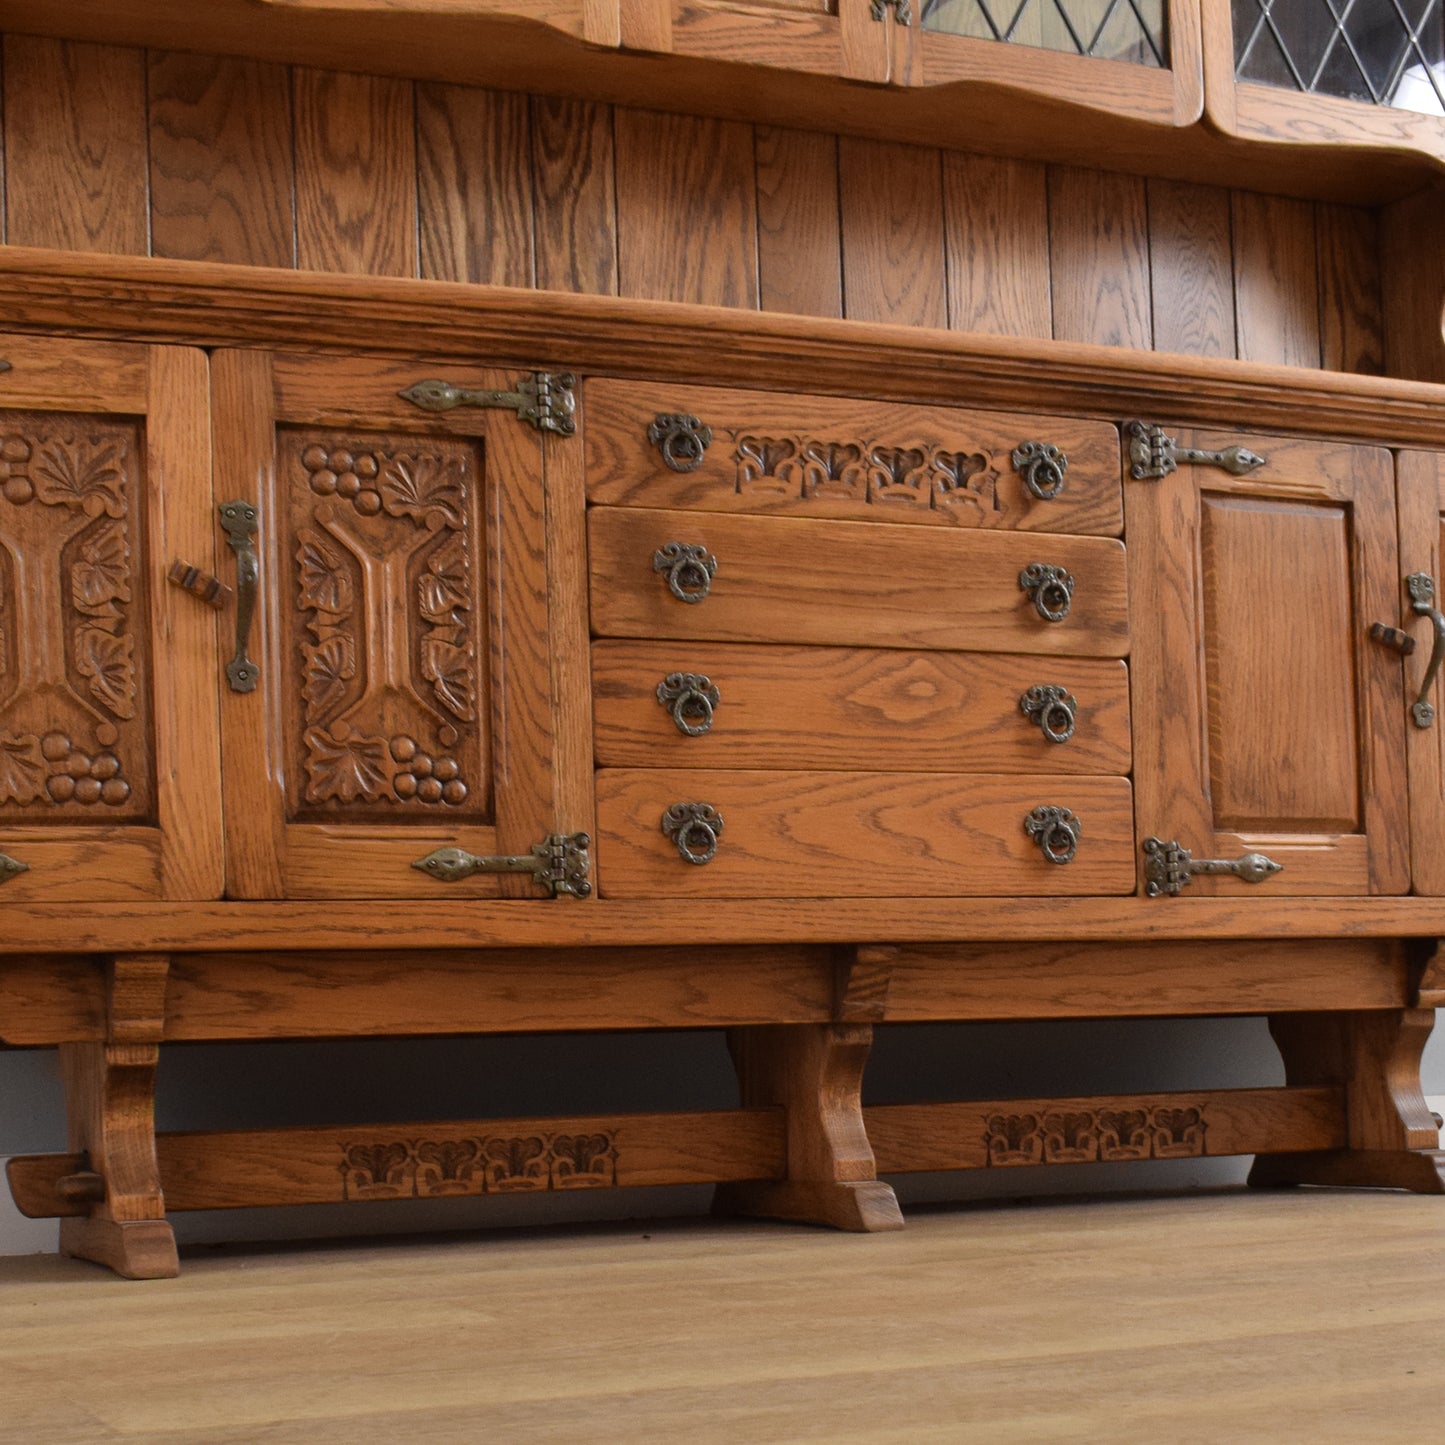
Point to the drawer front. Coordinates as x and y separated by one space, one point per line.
849 583
875 835
847 708
815 456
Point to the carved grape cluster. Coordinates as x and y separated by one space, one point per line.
427 779
15 480
79 777
344 473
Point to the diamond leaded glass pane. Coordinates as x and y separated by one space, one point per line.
1384 52
1131 30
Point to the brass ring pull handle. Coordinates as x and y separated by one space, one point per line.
681 439
1050 589
240 520
691 698
1052 709
1057 832
690 569
694 828
1042 466
1421 587
11 867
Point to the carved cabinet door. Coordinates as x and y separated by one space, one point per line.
109 773
1265 718
402 699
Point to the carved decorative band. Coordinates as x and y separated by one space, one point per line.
432 1168
1085 1136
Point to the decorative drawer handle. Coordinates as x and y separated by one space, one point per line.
202 585
1053 709
691 698
241 519
1050 589
1042 466
690 569
560 863
681 439
1421 586
1169 869
11 867
1057 832
545 399
1154 454
694 828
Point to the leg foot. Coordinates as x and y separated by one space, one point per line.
864 1207
141 1249
1422 1171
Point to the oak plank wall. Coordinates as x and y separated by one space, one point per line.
223 159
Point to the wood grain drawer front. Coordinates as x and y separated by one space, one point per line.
854 709
849 583
817 456
869 835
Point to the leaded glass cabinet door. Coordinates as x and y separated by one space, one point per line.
402 701
109 778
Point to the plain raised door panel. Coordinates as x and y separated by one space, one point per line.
1265 719
404 701
109 780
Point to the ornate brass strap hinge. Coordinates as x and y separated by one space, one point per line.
11 867
1169 869
560 863
1154 454
546 399
902 11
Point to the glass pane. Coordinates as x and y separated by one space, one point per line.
1384 52
1128 30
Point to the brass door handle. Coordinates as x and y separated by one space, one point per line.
240 520
1421 587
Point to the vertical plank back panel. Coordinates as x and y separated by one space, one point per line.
574 196
1099 254
1351 330
222 184
474 185
687 222
800 261
355 173
996 244
1190 269
75 143
1276 280
892 200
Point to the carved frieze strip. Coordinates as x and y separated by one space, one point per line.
1083 1136
421 1168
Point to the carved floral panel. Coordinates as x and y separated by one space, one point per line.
387 700
74 693
1081 1136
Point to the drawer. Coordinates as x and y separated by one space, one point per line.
820 456
866 835
779 579
851 708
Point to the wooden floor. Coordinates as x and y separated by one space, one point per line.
1235 1317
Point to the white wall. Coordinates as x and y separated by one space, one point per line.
239 1086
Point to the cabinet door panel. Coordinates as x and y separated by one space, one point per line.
404 701
1264 718
839 707
868 835
109 782
1422 544
782 580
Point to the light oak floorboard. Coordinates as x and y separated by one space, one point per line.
1301 1316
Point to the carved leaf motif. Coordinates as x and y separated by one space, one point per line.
760 457
325 585
514 1158
346 768
106 659
428 489
449 670
895 472
329 668
102 574
379 1161
444 588
22 768
449 1156
83 474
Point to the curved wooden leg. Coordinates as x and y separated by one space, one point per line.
815 1072
110 1099
1392 1140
